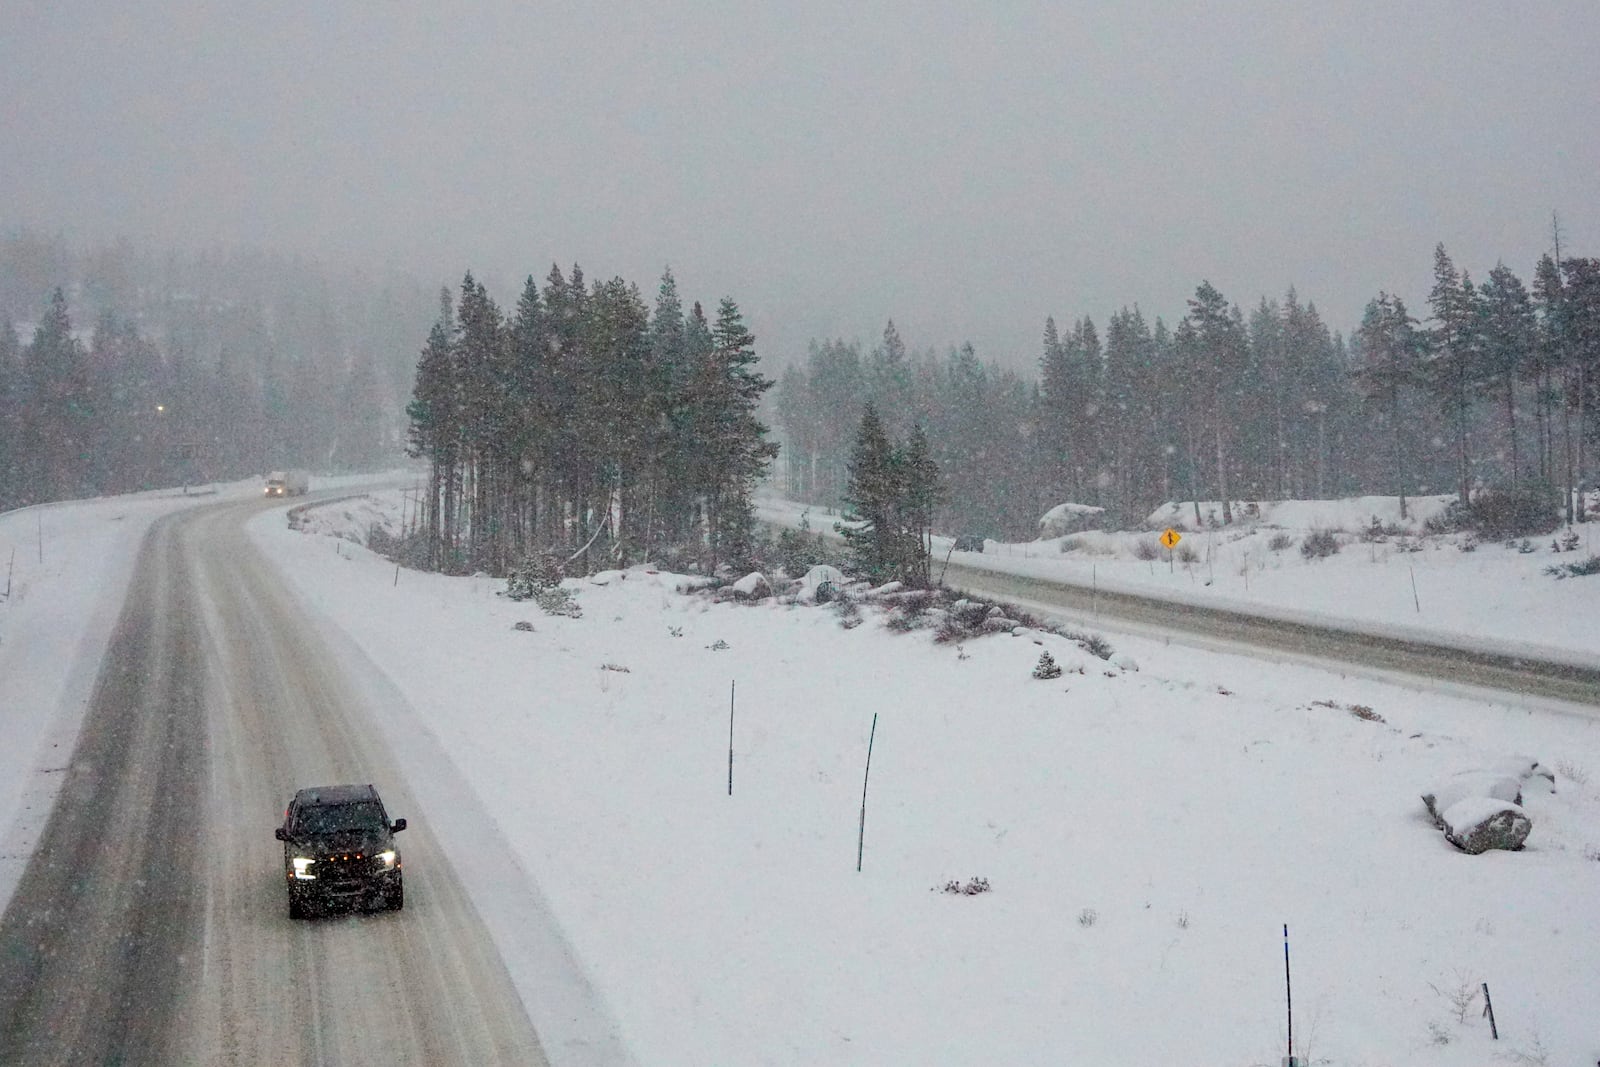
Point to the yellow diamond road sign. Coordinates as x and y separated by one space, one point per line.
1171 537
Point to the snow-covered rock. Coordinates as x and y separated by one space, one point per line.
752 586
1125 662
1478 824
1069 518
1469 784
816 578
1530 772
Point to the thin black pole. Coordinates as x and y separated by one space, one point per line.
1288 990
1488 1009
861 834
731 686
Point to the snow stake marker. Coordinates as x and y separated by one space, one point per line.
1288 995
861 833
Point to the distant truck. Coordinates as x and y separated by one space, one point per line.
288 483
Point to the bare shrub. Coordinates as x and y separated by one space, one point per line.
1146 550
1461 994
1088 917
1280 541
972 888
1572 772
1187 554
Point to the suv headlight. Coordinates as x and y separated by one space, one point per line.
387 858
301 863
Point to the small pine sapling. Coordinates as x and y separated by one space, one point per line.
1046 668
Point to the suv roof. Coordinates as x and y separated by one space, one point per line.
334 794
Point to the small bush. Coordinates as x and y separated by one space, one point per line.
1525 510
1280 541
1088 917
533 575
1146 550
554 600
1187 554
1093 644
1581 569
1047 667
954 887
1320 544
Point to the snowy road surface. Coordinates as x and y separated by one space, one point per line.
1527 676
151 926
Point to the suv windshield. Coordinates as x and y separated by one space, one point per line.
337 818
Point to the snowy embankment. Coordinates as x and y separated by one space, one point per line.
1144 834
1445 588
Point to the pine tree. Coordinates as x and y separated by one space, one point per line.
733 451
11 407
58 431
870 525
1508 342
1392 355
1056 387
1453 364
1582 315
435 431
919 476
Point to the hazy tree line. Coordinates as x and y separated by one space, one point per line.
1497 387
585 422
123 370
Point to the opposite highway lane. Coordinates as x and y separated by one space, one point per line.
1527 676
150 926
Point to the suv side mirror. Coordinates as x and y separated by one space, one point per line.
280 835
399 824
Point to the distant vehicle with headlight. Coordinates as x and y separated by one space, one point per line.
338 851
287 483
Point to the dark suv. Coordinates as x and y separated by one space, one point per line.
338 850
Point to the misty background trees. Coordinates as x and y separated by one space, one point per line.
1495 388
121 369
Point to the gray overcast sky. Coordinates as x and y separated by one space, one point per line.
964 169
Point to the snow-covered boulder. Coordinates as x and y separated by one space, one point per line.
886 588
1478 824
1125 662
1530 772
752 586
1471 784
1069 518
997 624
821 584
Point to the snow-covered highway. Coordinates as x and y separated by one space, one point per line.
151 927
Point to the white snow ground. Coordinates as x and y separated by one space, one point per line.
1145 833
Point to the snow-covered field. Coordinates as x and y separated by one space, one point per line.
1145 834
1444 588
